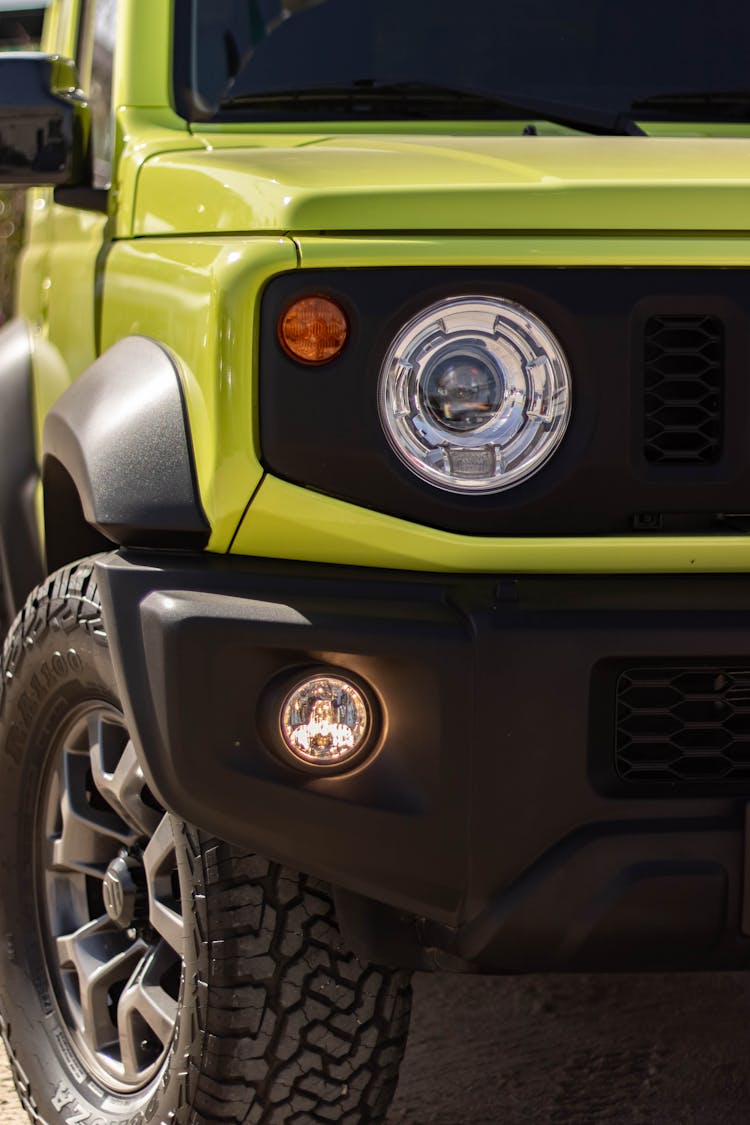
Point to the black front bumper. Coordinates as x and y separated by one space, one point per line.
491 827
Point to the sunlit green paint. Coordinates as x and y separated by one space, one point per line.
393 183
31 266
521 249
288 522
144 76
146 123
71 271
64 324
202 216
142 135
200 297
61 27
225 133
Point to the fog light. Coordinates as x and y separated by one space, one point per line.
325 720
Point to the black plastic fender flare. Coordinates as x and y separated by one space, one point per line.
20 550
117 458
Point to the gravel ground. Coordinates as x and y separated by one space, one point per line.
580 1050
10 1109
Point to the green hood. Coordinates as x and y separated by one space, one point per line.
447 183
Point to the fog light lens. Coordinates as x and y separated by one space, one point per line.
325 720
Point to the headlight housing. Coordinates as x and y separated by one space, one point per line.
475 394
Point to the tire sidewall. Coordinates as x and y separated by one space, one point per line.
56 659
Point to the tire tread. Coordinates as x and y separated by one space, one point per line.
295 1020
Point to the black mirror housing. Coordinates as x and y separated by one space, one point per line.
45 122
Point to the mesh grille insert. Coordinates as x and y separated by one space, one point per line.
683 724
684 389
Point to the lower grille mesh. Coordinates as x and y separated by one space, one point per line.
683 724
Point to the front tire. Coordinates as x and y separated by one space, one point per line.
151 973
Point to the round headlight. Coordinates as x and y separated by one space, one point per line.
474 394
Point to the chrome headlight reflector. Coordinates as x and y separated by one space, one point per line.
474 394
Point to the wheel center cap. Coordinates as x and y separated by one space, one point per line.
120 891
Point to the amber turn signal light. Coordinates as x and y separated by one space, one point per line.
313 330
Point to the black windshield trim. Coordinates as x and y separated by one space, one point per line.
733 104
409 98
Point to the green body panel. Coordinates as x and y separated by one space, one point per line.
201 217
141 135
61 27
72 275
31 266
453 183
288 522
227 134
144 50
200 297
580 248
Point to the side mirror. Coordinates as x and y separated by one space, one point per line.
45 122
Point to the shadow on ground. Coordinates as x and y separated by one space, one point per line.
578 1050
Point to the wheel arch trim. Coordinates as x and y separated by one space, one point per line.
117 458
20 547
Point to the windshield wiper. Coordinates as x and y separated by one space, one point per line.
411 97
705 102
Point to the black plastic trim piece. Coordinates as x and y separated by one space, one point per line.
476 835
321 429
84 198
20 550
119 441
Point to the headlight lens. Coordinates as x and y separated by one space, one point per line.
462 390
475 394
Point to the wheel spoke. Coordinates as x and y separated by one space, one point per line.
159 862
117 972
70 947
146 1013
122 786
100 958
169 924
80 847
79 813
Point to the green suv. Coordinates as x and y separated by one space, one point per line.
374 516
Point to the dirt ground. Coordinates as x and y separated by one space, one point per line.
10 1109
578 1050
582 1050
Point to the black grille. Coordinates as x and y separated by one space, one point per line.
683 724
684 389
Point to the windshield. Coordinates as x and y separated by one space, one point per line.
351 59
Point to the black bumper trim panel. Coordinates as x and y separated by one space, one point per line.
487 823
196 648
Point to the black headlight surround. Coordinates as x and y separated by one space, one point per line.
321 429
